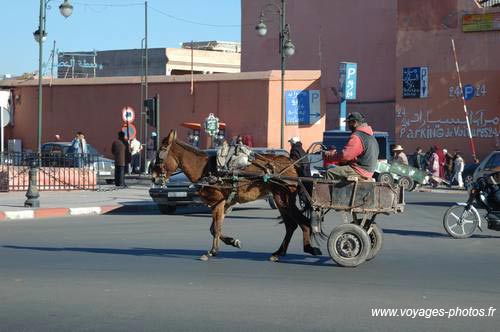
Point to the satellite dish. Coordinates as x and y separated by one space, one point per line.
5 116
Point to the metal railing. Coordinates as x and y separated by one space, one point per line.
55 171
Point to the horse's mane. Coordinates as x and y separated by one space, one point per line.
190 148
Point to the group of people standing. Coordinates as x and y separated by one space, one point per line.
127 156
441 164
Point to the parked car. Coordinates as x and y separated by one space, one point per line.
179 191
487 166
61 154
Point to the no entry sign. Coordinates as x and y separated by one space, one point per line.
129 130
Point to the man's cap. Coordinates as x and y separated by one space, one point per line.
355 116
294 139
398 148
153 134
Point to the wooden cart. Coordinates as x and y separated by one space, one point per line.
359 238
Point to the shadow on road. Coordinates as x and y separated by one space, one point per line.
187 254
405 232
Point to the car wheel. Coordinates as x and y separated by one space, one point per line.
468 180
110 181
167 209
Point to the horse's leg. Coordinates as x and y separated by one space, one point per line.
293 217
305 226
230 241
290 226
215 230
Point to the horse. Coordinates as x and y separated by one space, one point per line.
221 192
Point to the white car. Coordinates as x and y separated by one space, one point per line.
487 165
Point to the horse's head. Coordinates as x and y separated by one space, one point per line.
166 163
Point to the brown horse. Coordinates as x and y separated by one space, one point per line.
222 192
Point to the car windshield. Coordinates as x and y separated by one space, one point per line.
494 161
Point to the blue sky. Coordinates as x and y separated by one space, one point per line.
111 24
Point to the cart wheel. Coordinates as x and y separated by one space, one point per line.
413 187
348 245
459 222
405 182
376 239
385 178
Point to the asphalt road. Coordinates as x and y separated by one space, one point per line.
140 272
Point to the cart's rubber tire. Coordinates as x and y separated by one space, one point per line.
167 209
385 178
349 245
376 239
405 182
456 217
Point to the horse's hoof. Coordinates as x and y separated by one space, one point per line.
204 258
312 250
274 258
237 243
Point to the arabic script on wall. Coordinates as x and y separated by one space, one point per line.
426 125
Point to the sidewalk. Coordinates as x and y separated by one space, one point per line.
71 203
442 190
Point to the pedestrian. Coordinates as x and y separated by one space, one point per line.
151 149
79 148
135 152
458 168
419 159
57 138
433 167
297 154
448 165
128 155
118 149
442 160
399 156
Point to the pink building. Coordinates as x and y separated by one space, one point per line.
249 104
384 37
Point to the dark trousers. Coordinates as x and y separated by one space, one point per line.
119 176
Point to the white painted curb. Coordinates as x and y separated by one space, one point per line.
84 211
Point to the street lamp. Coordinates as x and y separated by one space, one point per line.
286 49
66 10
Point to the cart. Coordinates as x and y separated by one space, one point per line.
406 176
359 238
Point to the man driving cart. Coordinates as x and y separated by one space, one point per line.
359 156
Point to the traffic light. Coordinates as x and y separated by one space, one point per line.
151 110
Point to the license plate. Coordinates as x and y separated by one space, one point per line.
104 173
177 194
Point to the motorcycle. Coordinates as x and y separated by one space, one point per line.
461 220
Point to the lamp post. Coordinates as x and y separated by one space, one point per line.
40 35
286 49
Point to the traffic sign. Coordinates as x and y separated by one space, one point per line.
128 114
212 125
129 130
5 117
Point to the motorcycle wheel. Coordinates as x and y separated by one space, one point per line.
459 222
